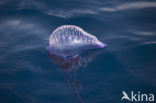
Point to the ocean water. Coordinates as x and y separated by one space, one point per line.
128 63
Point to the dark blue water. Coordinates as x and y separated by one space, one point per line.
27 75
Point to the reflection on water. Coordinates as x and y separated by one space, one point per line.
27 75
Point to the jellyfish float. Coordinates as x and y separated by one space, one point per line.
66 44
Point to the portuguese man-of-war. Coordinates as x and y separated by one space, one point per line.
66 43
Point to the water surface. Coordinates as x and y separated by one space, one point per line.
27 75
